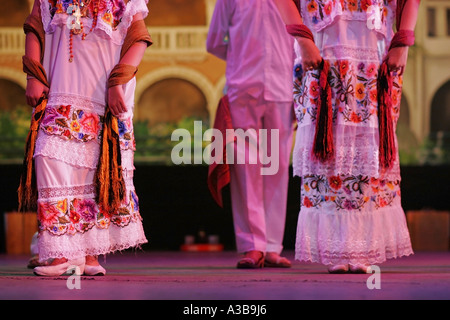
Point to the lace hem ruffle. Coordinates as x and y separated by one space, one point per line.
75 153
66 191
95 242
88 104
356 153
354 258
343 52
368 237
85 190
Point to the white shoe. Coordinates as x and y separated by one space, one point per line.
94 270
70 267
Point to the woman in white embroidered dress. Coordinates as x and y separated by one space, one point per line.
83 41
351 214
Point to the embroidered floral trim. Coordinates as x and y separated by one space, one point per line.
126 134
76 117
354 93
71 123
348 192
80 214
110 11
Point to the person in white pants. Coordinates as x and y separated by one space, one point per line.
251 37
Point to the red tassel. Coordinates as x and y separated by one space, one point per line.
27 191
384 83
323 148
109 182
385 122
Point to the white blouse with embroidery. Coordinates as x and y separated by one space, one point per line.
78 87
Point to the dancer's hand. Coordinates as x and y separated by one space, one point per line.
116 100
310 54
35 90
396 59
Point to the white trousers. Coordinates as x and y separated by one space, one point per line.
259 200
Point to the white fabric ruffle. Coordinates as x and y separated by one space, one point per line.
376 11
94 242
356 153
352 237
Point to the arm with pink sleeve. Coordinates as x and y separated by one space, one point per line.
217 41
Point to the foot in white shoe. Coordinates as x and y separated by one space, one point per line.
70 266
94 270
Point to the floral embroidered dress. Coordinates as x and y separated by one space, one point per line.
68 146
350 208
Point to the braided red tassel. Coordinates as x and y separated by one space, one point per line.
27 191
109 181
385 122
323 148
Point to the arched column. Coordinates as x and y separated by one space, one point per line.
14 75
193 76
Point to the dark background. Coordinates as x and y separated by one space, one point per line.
175 201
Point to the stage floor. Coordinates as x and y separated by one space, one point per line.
212 276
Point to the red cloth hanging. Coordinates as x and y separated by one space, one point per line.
219 172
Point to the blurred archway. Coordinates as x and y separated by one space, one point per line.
171 100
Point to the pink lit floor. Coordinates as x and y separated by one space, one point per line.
212 276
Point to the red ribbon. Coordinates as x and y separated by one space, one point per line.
403 38
299 30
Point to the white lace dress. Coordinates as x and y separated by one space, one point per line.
350 208
67 148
